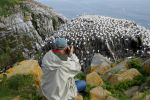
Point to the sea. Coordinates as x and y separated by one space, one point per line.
134 10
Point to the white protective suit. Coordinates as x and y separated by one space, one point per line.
57 81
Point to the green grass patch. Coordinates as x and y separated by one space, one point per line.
118 89
87 95
80 76
7 6
135 63
18 85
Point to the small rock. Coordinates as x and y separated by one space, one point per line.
137 95
78 97
111 98
130 92
99 93
17 98
147 97
93 79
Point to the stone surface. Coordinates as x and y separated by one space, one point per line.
25 68
126 75
93 79
146 66
147 97
137 96
141 96
99 93
111 98
102 69
79 97
118 68
100 64
130 92
99 59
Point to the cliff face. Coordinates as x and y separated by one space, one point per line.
114 38
24 32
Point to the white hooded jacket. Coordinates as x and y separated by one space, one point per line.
57 81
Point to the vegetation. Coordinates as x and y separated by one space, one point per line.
80 76
18 85
118 89
135 63
7 6
86 96
11 49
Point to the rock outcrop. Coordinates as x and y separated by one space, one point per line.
24 32
27 67
114 38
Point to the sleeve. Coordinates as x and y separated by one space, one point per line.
74 58
72 66
50 63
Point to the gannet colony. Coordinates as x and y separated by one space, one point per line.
114 38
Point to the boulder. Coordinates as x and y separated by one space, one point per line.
99 93
126 75
26 67
100 64
146 66
93 79
99 59
118 68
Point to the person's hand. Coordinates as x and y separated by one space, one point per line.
71 50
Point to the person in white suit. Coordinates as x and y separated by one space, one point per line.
59 67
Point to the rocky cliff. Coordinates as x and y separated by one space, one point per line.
23 32
114 38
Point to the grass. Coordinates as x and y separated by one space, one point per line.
80 76
135 63
18 85
87 95
7 6
118 89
